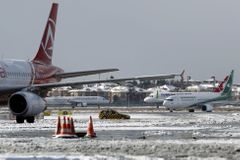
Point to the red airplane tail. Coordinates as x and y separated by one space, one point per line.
44 54
220 87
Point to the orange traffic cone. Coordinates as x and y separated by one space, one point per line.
72 127
90 131
68 126
66 130
57 130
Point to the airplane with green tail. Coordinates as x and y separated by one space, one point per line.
204 100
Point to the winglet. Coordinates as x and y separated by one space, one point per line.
44 54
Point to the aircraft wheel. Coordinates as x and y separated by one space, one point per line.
20 119
191 110
30 119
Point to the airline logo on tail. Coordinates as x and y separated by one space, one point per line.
221 85
48 44
228 88
44 54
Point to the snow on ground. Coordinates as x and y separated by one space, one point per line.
147 135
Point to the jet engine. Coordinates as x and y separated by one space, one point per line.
26 105
207 108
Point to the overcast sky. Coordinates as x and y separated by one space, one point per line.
140 37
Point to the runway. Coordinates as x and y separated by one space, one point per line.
149 134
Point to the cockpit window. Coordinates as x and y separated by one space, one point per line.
169 99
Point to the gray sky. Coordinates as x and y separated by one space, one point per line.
140 37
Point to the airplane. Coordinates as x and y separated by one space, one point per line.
158 96
24 84
205 100
75 101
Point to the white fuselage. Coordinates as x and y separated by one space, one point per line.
71 100
189 99
15 74
160 96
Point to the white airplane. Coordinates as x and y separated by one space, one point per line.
205 100
23 84
158 96
75 101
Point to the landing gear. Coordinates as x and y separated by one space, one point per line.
20 119
30 119
191 110
170 109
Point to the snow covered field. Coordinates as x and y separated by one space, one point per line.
149 134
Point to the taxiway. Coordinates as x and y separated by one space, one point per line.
149 134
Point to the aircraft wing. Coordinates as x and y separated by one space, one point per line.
226 102
85 73
61 84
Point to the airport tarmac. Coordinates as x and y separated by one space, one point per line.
150 133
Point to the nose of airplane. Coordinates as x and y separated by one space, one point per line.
146 99
164 103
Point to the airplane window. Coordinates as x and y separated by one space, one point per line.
169 99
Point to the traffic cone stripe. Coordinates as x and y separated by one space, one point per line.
57 131
65 130
72 126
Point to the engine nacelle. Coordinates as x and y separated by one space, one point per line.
26 104
207 108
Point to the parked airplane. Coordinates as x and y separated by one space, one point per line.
158 96
75 101
205 100
24 83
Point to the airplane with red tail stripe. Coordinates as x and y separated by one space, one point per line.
24 84
158 96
